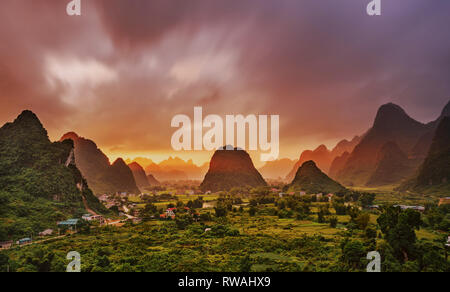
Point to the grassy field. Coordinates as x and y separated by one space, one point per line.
237 242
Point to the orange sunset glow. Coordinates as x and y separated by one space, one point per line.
82 74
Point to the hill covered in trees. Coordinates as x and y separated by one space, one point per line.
311 179
434 173
39 182
231 169
103 177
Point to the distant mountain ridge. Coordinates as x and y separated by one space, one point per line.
142 180
391 124
277 169
152 180
176 169
142 161
324 157
102 177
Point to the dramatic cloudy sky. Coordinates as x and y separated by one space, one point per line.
119 73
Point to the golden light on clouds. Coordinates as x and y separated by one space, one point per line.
119 73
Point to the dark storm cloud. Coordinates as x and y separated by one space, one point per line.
324 66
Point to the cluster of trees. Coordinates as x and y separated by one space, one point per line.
37 187
402 250
437 218
158 198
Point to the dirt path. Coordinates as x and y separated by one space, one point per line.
86 206
37 242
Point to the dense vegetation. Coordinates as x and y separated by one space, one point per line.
311 179
37 187
242 229
295 233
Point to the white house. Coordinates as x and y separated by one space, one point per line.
46 232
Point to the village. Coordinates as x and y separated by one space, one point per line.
129 208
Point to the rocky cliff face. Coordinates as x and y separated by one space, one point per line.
152 180
392 167
338 164
436 168
391 124
38 179
139 176
229 169
323 157
102 177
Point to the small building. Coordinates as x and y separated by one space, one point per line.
90 217
103 198
25 241
70 224
416 208
170 213
87 217
46 232
373 207
6 245
330 197
448 242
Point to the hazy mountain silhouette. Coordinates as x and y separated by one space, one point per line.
392 166
324 157
277 169
391 124
176 169
102 177
152 180
142 161
345 146
423 145
139 176
338 164
434 173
